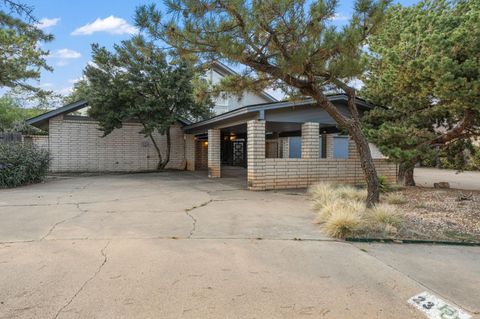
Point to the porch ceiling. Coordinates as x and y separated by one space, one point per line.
291 115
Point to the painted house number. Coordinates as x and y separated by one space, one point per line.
436 308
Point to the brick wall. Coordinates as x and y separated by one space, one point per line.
278 173
190 152
201 155
302 172
40 141
77 146
214 149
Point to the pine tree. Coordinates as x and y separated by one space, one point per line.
424 66
287 43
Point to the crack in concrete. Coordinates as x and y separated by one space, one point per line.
105 259
63 221
297 239
194 220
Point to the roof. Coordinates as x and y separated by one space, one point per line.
41 121
225 70
272 106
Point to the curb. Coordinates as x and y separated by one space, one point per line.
411 241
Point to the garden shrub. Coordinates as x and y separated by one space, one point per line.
22 164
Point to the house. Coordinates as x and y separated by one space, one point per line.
279 144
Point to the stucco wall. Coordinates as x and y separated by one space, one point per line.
77 146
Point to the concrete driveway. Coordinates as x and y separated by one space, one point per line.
177 245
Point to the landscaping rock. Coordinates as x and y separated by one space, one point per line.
441 185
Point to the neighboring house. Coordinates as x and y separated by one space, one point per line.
281 145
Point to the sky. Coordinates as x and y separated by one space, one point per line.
79 23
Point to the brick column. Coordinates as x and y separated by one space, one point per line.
310 140
214 165
329 141
256 154
190 152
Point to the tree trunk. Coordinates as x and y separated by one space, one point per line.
169 146
366 161
405 174
159 153
162 163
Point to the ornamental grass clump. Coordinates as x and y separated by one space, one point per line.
343 223
395 199
383 215
22 164
342 212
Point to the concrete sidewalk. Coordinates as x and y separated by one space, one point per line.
177 245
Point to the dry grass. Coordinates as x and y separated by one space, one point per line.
327 210
341 211
343 223
383 219
385 214
351 193
408 213
396 198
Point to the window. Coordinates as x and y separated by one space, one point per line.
295 147
340 147
322 148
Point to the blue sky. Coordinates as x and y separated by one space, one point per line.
77 24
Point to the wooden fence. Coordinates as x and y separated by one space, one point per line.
10 137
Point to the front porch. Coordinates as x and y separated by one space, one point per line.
291 145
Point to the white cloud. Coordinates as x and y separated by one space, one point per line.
73 81
66 54
46 23
64 91
111 24
339 17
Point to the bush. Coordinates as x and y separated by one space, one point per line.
22 164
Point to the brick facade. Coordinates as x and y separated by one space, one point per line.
190 152
76 145
40 141
214 164
310 140
277 173
201 155
256 154
303 172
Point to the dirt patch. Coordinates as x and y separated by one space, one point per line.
440 214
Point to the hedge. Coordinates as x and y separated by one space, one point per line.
22 164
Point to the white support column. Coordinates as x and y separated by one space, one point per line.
310 140
256 154
214 164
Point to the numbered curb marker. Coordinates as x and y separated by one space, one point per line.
436 308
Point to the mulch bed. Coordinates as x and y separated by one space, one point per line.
440 214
